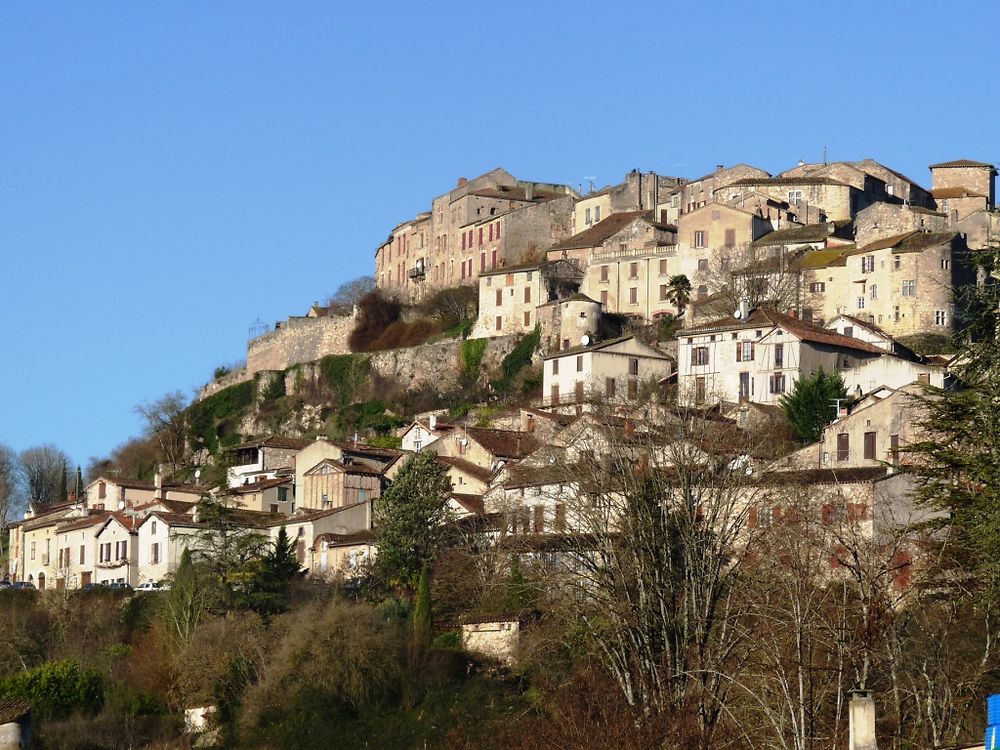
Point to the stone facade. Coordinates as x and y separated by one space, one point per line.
881 220
298 340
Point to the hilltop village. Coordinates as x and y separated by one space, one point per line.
763 279
632 401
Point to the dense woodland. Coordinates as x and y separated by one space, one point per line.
688 627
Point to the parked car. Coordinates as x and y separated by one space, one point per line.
150 586
23 586
4 585
118 586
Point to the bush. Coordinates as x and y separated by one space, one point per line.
472 353
275 389
57 689
345 375
376 313
386 441
519 358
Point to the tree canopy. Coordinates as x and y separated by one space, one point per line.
812 404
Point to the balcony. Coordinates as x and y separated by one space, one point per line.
634 252
417 272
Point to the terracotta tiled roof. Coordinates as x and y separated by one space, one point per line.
264 484
172 506
479 472
347 468
788 181
82 523
503 443
960 163
344 540
796 235
537 476
472 503
825 476
800 329
578 297
601 231
275 441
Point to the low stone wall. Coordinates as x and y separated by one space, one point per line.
232 378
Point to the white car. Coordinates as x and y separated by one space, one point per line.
152 586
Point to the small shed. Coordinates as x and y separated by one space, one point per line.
15 724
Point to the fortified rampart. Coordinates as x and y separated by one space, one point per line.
299 340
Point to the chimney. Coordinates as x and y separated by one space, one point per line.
529 192
462 182
861 721
432 423
158 482
719 167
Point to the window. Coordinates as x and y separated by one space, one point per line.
895 313
897 263
498 237
730 237
527 293
945 264
699 390
779 356
560 523
499 297
843 446
663 292
701 238
554 395
633 366
586 216
849 331
83 554
154 554
861 303
909 288
817 286
555 367
633 270
870 446
153 529
744 351
32 550
874 291
597 214
604 273
579 363
940 317
610 387
527 319
699 356
703 264
282 494
480 235
795 197
745 388
867 263
663 268
362 495
633 295
499 322
604 298
702 292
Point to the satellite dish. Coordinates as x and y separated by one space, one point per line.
585 340
737 313
121 505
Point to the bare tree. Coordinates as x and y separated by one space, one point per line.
166 424
755 276
349 293
42 467
10 485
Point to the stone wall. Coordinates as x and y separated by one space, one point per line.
299 340
232 378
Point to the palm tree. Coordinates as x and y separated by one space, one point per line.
679 292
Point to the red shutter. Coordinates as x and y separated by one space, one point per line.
752 518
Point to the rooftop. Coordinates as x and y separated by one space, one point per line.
601 231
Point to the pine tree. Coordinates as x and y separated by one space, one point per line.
812 404
268 592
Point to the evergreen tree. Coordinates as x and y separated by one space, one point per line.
268 592
63 489
409 518
422 624
812 404
79 482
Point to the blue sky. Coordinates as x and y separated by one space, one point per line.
170 172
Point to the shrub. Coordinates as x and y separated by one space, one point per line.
214 417
472 353
275 389
386 441
57 689
376 313
345 375
521 354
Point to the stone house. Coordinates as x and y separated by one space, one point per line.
261 459
640 191
881 220
342 555
336 484
118 549
486 448
466 477
15 724
33 542
422 432
484 223
161 539
385 460
265 495
759 357
106 493
564 322
509 298
963 187
837 200
877 431
609 371
77 550
713 187
306 528
905 283
710 240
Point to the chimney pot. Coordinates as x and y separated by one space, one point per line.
529 192
462 181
